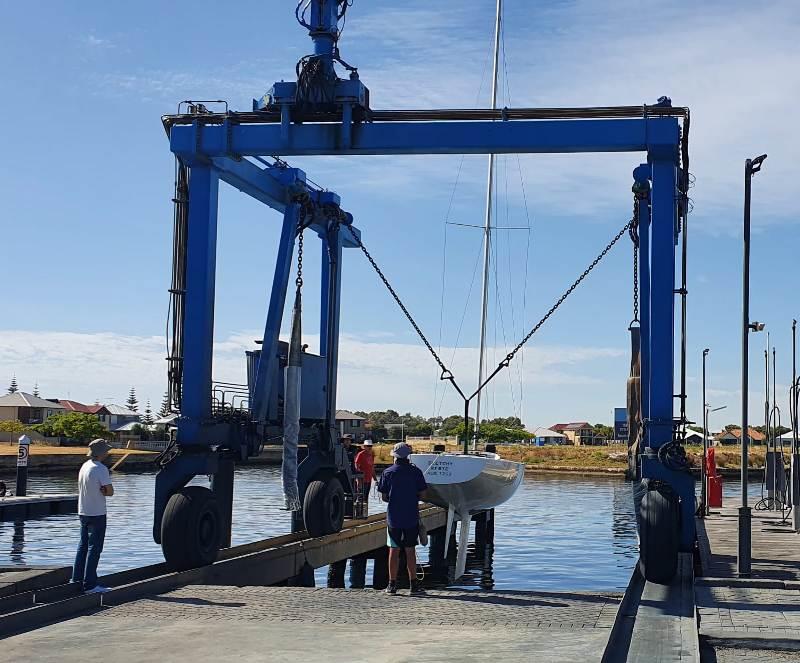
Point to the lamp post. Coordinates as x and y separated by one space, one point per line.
751 167
703 468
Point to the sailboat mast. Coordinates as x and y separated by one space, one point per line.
487 229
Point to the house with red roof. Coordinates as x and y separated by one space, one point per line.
578 433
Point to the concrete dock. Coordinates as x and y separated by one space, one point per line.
203 623
756 618
233 609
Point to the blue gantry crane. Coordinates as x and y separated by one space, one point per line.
323 114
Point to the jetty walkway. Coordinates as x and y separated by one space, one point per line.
748 619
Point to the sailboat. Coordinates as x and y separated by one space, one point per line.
467 483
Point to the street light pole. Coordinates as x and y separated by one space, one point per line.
751 167
703 468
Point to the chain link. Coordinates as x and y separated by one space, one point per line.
561 299
634 233
446 374
635 283
299 280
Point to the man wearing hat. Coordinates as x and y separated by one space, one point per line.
402 485
94 485
365 463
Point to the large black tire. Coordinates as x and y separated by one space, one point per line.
323 507
191 530
660 524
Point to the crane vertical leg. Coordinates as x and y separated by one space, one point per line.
184 544
267 364
660 422
201 259
333 281
644 300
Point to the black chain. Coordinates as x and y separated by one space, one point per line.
446 374
299 280
554 307
634 233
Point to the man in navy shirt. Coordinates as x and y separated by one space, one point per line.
402 485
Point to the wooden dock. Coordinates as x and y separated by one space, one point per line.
755 618
35 506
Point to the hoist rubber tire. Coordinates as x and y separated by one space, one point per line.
191 530
660 535
323 507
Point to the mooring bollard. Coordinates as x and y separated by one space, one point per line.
358 572
380 572
22 465
336 575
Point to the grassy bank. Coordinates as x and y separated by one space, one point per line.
605 459
69 458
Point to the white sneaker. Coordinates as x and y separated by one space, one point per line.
98 589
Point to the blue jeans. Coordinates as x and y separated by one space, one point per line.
93 534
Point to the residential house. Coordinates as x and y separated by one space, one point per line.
695 437
578 433
544 436
27 408
734 436
100 411
349 423
119 416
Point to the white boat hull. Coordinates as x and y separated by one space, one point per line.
465 484
469 483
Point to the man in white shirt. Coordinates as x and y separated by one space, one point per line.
94 485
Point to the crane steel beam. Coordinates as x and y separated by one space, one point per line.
657 136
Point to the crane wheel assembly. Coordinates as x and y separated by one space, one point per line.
659 518
191 531
324 507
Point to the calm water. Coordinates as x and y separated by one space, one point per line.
558 532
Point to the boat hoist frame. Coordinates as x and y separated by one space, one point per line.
322 114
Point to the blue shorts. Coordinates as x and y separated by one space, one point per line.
402 537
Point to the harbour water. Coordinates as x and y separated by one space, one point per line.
558 532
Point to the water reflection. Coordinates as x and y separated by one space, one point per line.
18 542
558 532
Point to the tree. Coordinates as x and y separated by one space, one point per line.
696 429
141 431
453 424
603 431
12 388
165 409
78 426
506 422
36 390
132 402
13 426
497 434
147 417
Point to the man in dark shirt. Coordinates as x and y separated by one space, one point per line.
347 443
402 485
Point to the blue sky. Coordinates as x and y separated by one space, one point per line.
87 180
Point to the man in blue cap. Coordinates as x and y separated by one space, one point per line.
402 485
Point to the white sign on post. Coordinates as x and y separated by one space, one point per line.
24 449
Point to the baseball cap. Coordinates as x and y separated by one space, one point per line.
98 447
368 443
401 450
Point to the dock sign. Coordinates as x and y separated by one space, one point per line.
620 424
23 452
